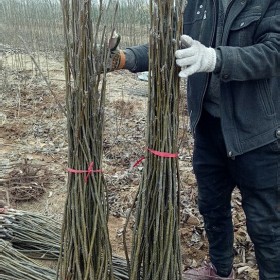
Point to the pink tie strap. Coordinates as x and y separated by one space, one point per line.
89 171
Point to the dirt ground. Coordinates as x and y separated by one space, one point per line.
33 154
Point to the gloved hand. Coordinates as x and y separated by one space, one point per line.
117 57
194 57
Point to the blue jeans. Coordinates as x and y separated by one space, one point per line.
257 175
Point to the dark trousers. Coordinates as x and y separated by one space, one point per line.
257 175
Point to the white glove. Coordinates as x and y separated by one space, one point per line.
195 57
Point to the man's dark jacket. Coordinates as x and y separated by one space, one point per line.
249 71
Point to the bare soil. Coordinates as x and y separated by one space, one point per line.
33 154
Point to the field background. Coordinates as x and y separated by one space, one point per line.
33 134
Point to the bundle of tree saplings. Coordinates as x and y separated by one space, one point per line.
156 240
16 266
85 237
33 234
38 236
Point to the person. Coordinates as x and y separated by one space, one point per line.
230 57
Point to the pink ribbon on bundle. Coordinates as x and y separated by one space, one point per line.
157 153
89 171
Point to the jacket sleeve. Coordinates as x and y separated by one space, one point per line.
260 60
137 58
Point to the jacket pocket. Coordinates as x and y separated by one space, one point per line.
265 97
194 25
243 22
195 21
243 29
